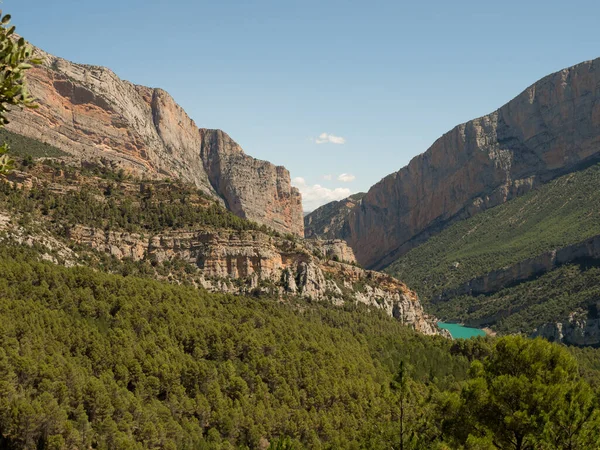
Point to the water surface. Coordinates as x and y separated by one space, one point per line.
460 332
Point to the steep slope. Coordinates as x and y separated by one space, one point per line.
328 220
551 128
160 226
96 360
519 266
91 114
561 305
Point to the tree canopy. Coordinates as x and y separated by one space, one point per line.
15 59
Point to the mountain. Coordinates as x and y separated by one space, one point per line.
550 129
91 114
530 265
78 214
119 329
327 221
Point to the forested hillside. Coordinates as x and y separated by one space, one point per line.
120 362
116 353
89 213
102 360
570 290
506 253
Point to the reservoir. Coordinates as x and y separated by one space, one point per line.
460 332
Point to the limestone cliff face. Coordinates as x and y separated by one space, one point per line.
588 250
90 113
328 220
551 128
579 329
250 261
252 189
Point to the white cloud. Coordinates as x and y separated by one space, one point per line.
346 177
326 138
317 195
328 177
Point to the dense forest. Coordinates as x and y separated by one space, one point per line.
101 360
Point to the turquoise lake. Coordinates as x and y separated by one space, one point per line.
458 331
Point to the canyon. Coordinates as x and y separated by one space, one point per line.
551 128
103 123
97 119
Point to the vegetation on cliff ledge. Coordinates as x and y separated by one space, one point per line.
573 289
98 196
563 212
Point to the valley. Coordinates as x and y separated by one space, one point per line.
511 266
162 289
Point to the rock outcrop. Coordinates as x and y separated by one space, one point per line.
251 261
588 250
90 113
580 330
551 128
327 221
334 249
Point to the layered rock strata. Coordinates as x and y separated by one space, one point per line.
588 250
250 261
93 115
551 128
580 330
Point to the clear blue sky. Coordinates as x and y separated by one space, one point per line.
388 77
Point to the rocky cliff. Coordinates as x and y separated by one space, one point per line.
74 215
90 113
551 128
328 220
251 262
588 250
579 329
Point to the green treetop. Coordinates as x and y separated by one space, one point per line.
15 60
527 394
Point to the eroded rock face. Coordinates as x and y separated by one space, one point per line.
90 113
579 330
551 128
587 250
328 220
335 249
252 189
241 262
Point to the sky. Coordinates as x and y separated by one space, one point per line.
341 93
